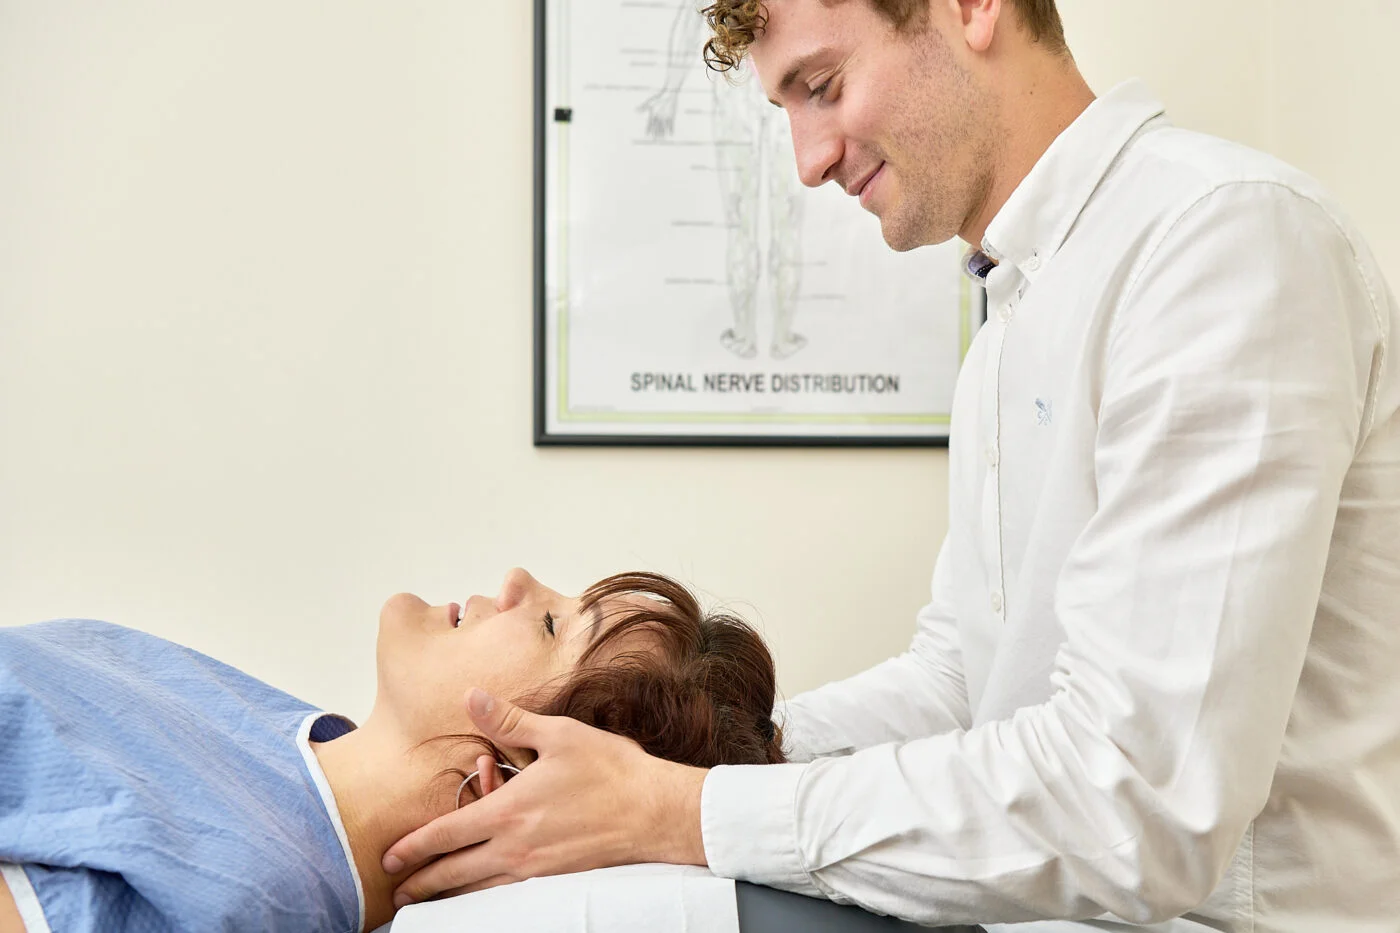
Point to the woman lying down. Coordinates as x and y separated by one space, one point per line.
147 787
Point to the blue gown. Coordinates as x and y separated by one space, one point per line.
146 788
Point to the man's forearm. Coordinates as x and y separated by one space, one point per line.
904 698
921 692
672 832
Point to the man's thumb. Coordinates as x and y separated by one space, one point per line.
500 720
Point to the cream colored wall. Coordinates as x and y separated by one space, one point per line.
1338 91
265 330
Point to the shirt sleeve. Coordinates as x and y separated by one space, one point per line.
1235 390
84 900
919 693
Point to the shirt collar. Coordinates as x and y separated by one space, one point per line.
324 727
1035 220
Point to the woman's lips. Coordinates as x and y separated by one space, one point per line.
454 614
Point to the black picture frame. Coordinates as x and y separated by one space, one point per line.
543 437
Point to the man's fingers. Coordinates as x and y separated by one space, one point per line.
460 872
495 882
455 830
502 721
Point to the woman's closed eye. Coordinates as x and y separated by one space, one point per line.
549 623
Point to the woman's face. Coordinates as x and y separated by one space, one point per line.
511 645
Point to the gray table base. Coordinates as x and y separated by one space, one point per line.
768 910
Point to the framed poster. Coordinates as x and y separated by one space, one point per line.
689 289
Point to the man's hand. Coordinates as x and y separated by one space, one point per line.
591 800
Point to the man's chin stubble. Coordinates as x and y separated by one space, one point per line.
901 238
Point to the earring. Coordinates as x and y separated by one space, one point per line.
512 769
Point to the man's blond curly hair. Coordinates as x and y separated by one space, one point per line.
736 24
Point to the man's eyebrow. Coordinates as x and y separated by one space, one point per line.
797 68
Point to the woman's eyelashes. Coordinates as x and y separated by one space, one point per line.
549 623
820 91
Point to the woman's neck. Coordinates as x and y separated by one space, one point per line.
384 788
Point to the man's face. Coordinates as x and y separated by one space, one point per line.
893 117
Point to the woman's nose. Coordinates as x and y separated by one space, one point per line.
515 589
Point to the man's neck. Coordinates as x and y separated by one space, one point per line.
384 789
1035 108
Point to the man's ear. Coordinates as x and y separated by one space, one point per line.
979 19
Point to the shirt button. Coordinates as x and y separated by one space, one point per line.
996 600
1033 263
992 456
1006 314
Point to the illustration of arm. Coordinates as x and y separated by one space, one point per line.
682 58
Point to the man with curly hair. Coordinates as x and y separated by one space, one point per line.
1155 682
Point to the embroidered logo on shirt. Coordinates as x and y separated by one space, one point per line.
1044 412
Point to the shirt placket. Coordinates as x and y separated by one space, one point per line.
1002 296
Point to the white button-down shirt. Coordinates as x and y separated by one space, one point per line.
1160 671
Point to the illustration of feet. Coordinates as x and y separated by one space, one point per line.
784 347
742 347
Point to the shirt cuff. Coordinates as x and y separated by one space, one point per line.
748 821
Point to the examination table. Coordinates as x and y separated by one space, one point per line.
642 899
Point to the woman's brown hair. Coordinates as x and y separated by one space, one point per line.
686 685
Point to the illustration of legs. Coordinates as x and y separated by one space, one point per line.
785 200
737 160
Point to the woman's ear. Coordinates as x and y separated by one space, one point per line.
490 774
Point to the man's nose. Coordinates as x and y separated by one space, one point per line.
818 150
